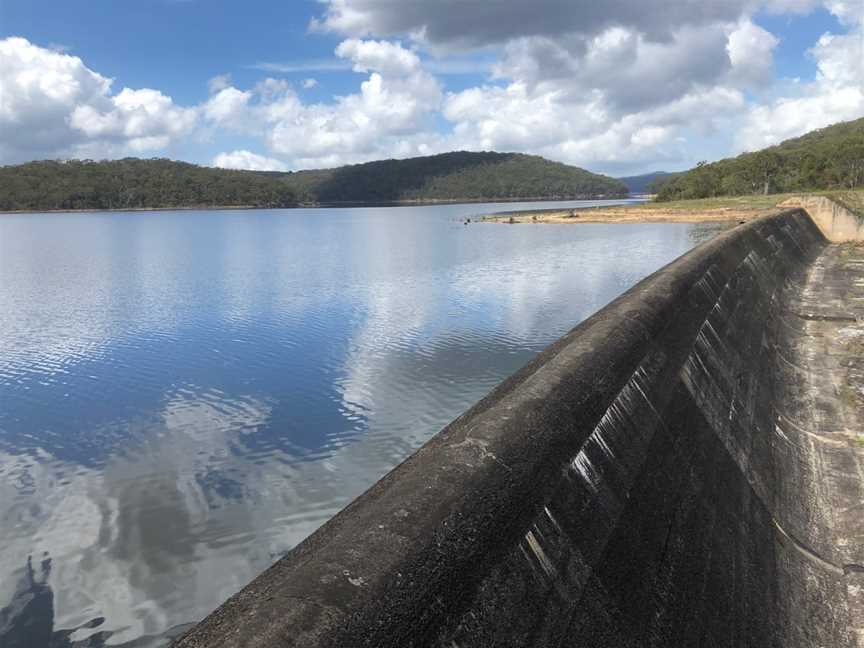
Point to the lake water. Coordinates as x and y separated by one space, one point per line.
184 396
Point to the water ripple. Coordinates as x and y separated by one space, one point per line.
186 396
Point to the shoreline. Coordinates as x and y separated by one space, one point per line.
134 209
645 213
699 210
467 201
325 205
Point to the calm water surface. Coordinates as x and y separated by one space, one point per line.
184 396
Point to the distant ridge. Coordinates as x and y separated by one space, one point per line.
456 176
827 158
642 184
133 183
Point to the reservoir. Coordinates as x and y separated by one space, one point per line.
184 396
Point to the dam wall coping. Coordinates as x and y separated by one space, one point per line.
407 557
838 223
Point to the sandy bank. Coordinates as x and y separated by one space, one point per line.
632 214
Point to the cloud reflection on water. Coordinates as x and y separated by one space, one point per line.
186 396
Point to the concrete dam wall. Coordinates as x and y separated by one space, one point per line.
681 469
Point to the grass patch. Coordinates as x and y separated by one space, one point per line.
717 209
852 200
756 201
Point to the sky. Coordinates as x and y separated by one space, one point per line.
616 86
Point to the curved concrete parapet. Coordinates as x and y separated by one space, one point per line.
838 224
648 480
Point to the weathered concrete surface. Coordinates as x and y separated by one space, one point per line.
682 469
838 224
820 413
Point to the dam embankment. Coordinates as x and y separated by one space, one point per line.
681 469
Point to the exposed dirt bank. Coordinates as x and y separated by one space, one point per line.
733 208
625 215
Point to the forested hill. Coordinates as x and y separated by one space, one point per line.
452 176
828 158
132 183
644 183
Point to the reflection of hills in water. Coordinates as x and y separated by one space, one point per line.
203 394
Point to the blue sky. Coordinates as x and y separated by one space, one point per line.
172 45
619 88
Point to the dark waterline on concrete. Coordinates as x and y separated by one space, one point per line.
185 396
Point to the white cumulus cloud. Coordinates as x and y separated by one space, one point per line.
249 161
549 122
618 102
751 53
392 112
229 107
618 86
219 82
139 119
456 23
52 105
600 83
837 93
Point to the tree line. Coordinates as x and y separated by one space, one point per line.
459 175
133 183
828 158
